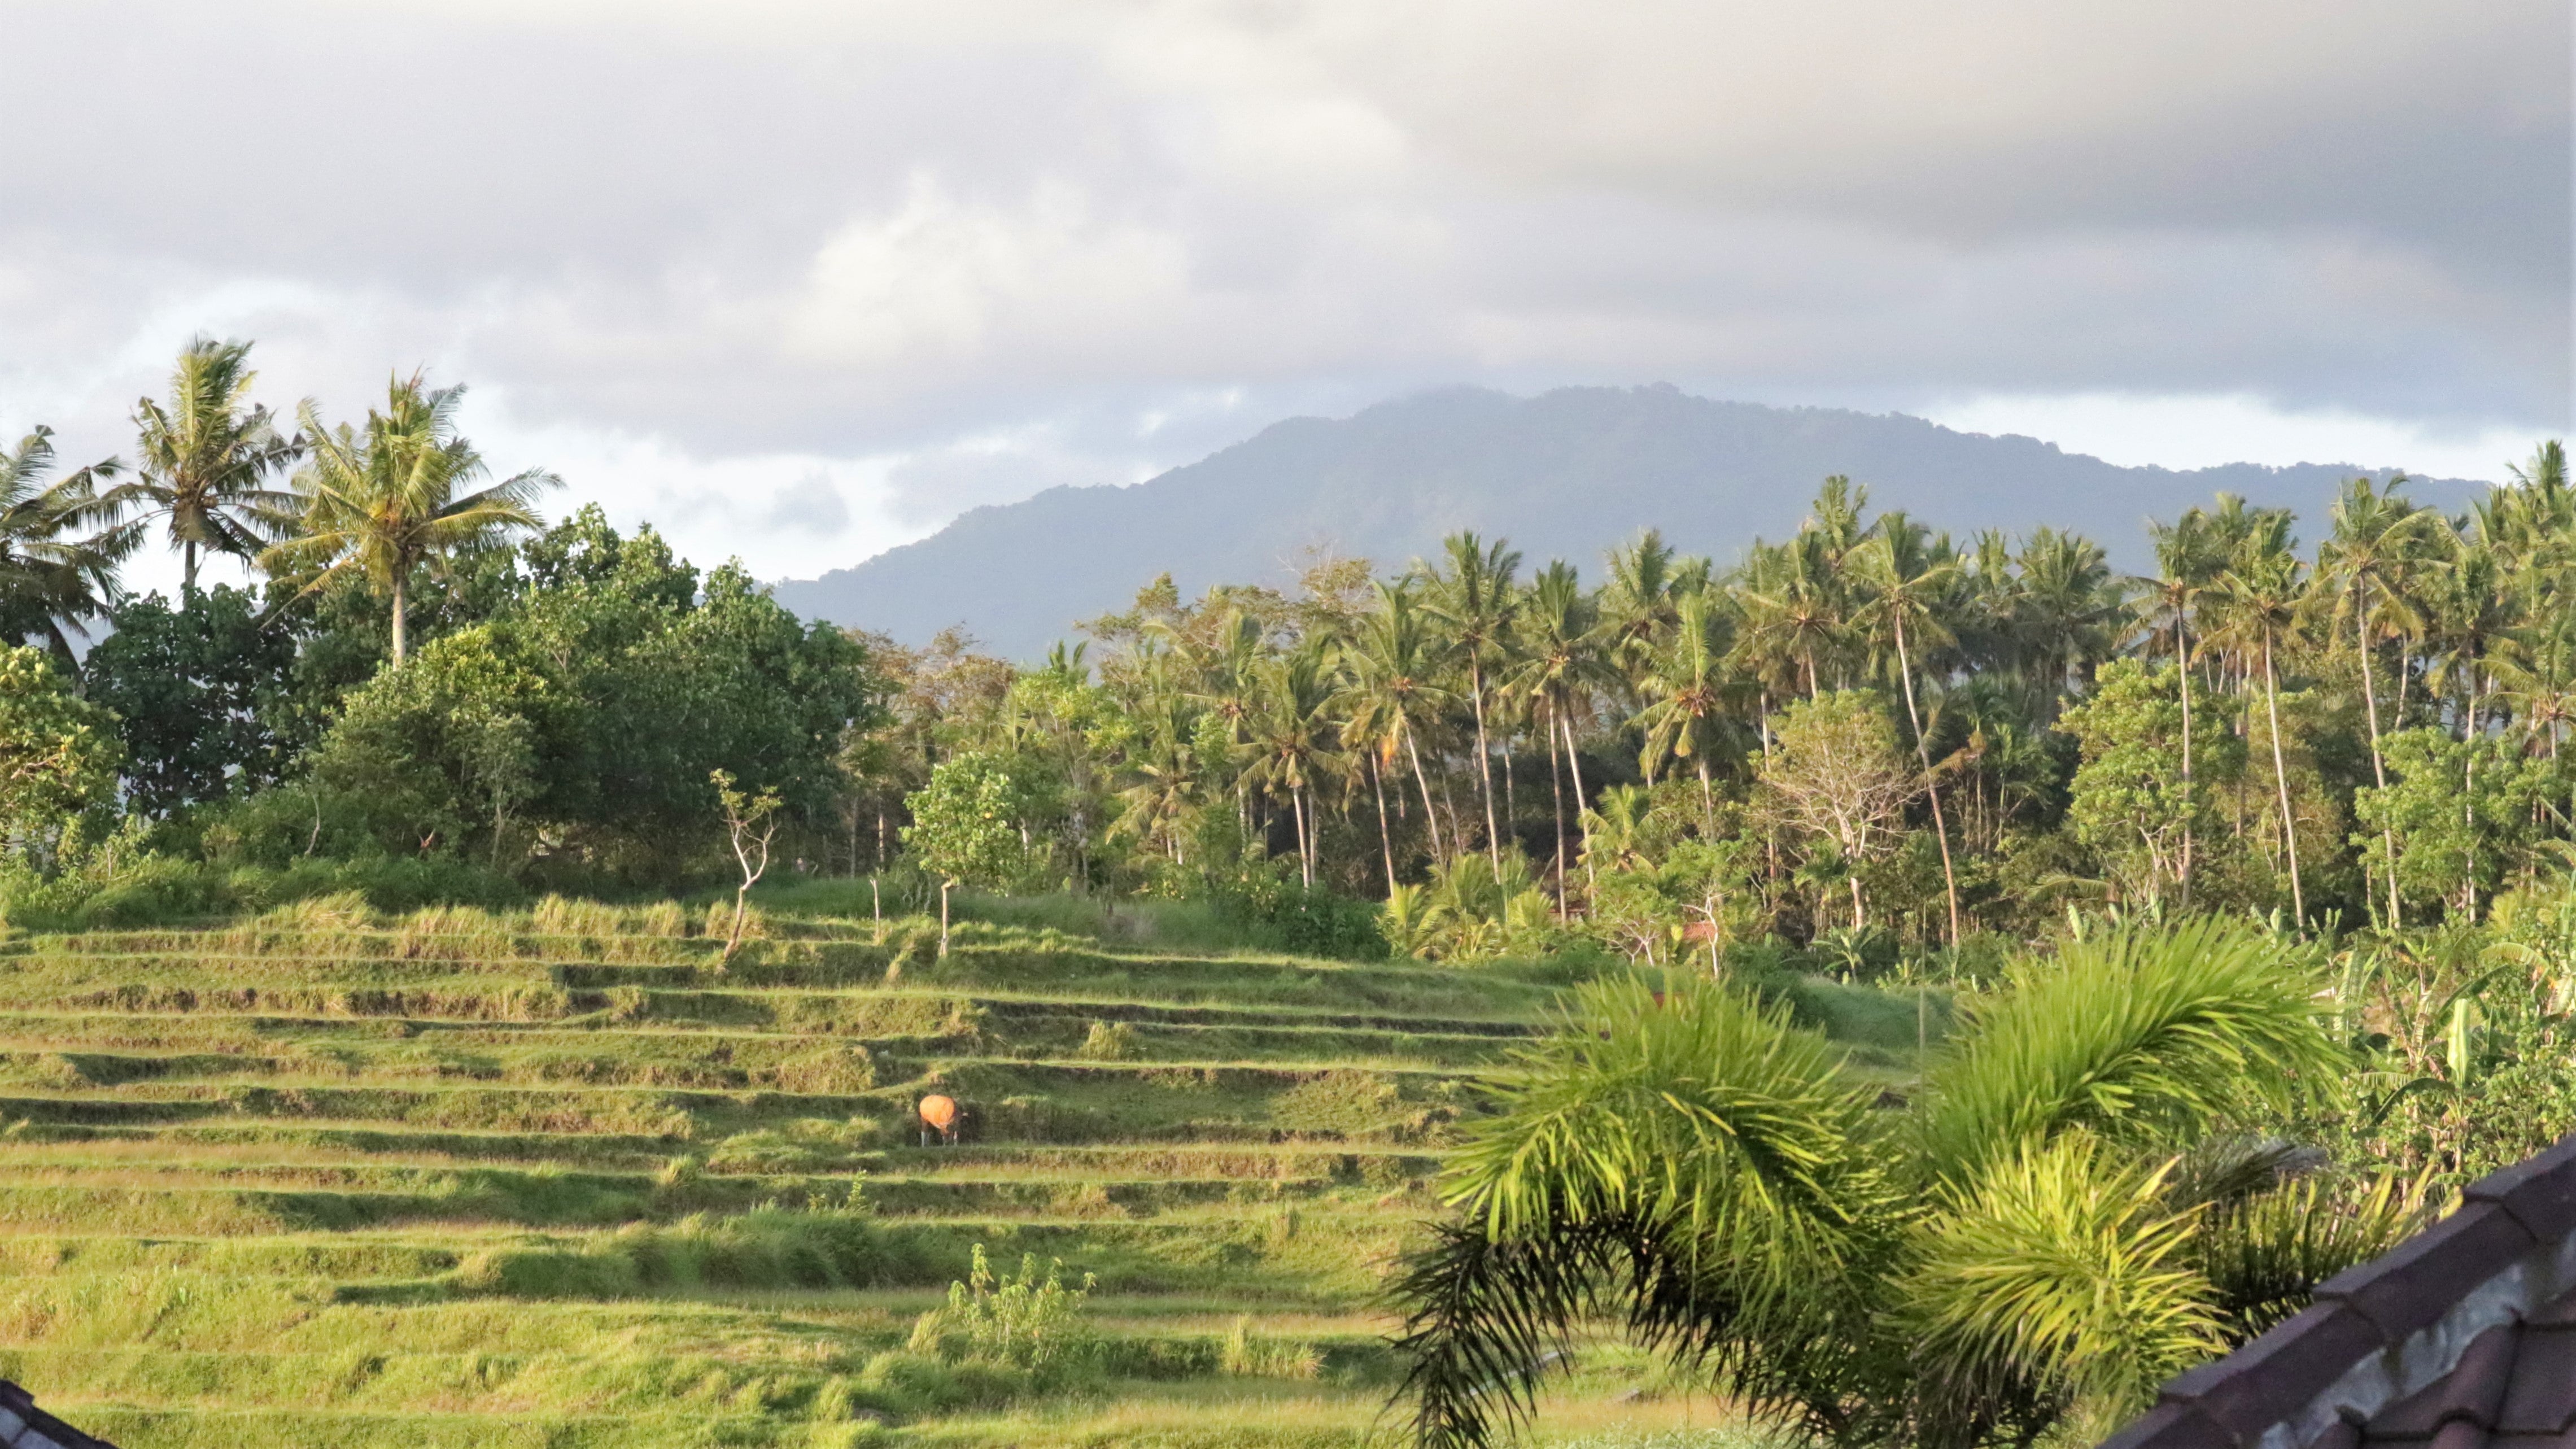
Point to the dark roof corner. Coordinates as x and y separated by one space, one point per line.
24 1426
2463 1337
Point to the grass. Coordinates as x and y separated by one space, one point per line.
559 1176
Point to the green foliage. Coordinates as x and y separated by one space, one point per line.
198 691
2009 1249
2466 813
58 753
1018 1321
2135 804
965 822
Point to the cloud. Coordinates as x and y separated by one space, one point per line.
942 256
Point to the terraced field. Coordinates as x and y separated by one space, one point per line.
455 1180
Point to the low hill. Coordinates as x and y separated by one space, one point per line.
1568 474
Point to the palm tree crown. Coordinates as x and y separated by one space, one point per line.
383 503
204 459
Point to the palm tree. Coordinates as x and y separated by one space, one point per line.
1688 691
52 582
2068 613
2262 596
1391 686
385 504
1561 669
1292 746
206 458
2052 1223
1473 600
2187 563
2377 540
1912 576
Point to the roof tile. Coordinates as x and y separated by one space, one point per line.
2540 1192
2413 1286
2264 1382
2542 1397
2170 1426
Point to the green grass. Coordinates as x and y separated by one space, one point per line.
562 1177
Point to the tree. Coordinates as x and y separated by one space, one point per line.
58 752
198 691
1474 601
387 503
2464 813
2378 541
1835 772
964 827
52 581
2261 596
1911 575
2016 1243
751 822
1391 689
204 460
2137 803
1562 667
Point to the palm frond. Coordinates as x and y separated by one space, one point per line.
2137 1034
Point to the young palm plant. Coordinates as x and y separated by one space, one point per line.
2059 1218
383 504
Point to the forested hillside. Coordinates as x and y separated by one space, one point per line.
1574 473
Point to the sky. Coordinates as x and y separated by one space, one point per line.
799 282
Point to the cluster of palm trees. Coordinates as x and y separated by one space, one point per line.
220 475
1420 710
1379 728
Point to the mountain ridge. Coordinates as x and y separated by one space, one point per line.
1567 473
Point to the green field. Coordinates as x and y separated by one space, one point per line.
567 1179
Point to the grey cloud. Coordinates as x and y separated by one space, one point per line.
811 505
989 241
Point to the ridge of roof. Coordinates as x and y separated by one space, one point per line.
2442 1313
24 1426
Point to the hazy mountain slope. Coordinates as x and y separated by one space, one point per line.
1566 474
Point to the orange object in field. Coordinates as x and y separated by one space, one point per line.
940 1114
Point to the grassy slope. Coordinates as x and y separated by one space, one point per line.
316 1182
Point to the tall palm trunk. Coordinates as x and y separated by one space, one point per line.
188 570
2191 803
1385 837
1485 766
1556 783
1923 752
2281 778
1305 852
2378 764
1430 812
402 616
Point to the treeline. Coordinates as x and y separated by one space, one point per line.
1868 739
430 694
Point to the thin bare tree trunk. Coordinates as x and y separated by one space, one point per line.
1385 838
1485 767
401 617
1923 752
2378 766
1430 812
2281 777
1556 783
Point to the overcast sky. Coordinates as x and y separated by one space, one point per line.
801 281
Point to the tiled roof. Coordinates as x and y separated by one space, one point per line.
2463 1337
24 1426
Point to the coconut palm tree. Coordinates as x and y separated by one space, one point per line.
54 578
1562 668
385 503
2261 594
1689 697
1391 692
2188 563
205 458
1292 746
1473 599
1911 576
2377 542
2051 1225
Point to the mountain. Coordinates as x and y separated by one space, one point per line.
1566 474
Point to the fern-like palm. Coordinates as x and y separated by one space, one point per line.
2032 1234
